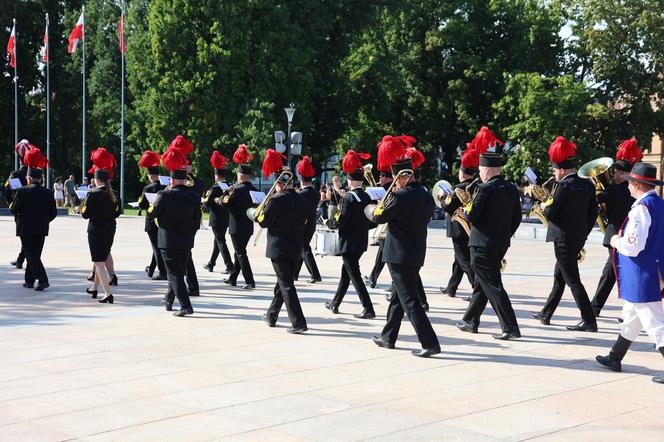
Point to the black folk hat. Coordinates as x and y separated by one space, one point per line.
179 174
102 174
357 174
645 173
245 169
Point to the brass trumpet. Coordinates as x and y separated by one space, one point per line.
256 213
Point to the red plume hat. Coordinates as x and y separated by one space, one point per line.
219 163
562 153
305 168
23 147
470 161
183 145
416 156
151 161
391 148
628 154
485 141
103 163
273 162
352 161
174 160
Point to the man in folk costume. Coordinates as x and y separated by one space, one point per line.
219 215
470 161
639 265
151 162
494 214
617 202
177 212
353 235
284 216
34 208
240 227
307 173
21 174
572 212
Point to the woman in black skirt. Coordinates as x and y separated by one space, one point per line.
101 207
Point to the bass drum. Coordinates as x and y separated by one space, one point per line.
327 242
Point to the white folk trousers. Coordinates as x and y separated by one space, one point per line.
648 316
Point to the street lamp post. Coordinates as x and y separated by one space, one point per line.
290 111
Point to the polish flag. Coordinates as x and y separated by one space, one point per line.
46 45
11 48
123 42
77 34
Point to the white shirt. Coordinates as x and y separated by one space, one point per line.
635 233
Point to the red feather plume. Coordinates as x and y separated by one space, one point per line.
23 147
305 168
242 155
561 149
629 151
218 161
174 159
35 159
470 158
483 140
149 159
353 161
102 159
392 148
416 156
183 145
273 162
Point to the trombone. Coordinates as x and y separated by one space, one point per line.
371 210
257 213
368 175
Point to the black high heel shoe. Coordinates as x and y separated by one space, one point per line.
108 299
91 276
114 280
94 293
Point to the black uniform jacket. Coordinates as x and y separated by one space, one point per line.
353 224
618 202
144 204
219 213
407 213
177 212
100 209
571 210
313 198
198 187
8 192
285 216
495 214
238 203
454 229
34 208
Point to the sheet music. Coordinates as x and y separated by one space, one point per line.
530 175
151 197
14 183
376 193
82 194
223 186
164 180
256 197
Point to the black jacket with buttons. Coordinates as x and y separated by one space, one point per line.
238 203
34 208
571 210
284 216
219 214
177 212
353 224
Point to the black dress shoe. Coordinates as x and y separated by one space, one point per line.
114 280
167 305
658 379
94 293
228 270
16 264
609 362
583 326
426 352
106 300
28 286
314 280
230 282
333 308
506 336
181 313
209 267
425 306
366 314
159 277
194 293
41 286
268 321
249 286
297 330
381 342
147 270
91 276
620 320
448 292
466 327
540 317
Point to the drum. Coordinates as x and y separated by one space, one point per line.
327 242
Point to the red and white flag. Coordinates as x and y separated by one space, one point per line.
11 48
123 42
46 44
77 34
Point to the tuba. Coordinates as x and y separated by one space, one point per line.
256 213
597 171
369 176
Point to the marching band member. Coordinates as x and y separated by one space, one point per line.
470 161
219 215
177 213
372 279
34 208
307 172
571 211
353 235
284 216
22 148
617 201
240 226
101 207
639 263
151 161
494 213
407 211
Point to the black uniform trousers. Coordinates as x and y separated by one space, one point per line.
421 294
176 261
220 245
405 280
379 264
157 260
605 285
455 277
488 286
350 272
241 259
462 258
567 272
285 293
308 258
31 247
20 258
192 278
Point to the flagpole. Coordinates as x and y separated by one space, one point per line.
48 109
15 96
122 107
83 169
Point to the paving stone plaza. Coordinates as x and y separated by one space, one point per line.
75 369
